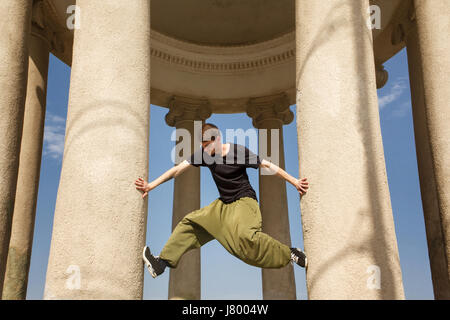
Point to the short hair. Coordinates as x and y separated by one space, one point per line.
210 132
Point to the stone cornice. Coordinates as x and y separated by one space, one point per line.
222 60
270 107
187 109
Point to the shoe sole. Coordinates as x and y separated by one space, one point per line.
148 264
306 259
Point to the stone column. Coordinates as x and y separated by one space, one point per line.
430 203
348 226
185 279
271 113
15 27
433 26
100 218
20 245
428 42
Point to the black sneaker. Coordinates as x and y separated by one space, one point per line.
299 257
154 264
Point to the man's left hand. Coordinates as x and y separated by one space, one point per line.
302 186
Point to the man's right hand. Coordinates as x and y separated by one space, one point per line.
142 185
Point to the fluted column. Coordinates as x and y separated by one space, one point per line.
185 279
348 226
269 114
20 245
15 27
428 44
100 218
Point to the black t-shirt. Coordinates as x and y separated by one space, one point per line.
229 172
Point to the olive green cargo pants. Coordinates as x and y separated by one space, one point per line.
237 226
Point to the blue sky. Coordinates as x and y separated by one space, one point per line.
223 275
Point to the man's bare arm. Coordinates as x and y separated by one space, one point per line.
142 185
300 184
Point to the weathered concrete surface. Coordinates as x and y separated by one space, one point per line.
348 227
270 114
15 26
100 217
433 34
20 245
430 202
185 279
16 278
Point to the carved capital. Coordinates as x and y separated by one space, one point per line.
45 26
42 28
405 23
269 107
38 23
411 12
187 109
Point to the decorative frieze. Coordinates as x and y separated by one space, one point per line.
217 59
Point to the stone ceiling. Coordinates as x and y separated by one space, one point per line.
223 22
224 50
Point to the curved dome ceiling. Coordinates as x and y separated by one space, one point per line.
223 22
188 60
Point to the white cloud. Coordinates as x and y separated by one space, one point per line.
54 118
397 89
54 133
402 110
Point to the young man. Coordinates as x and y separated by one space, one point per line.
234 219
